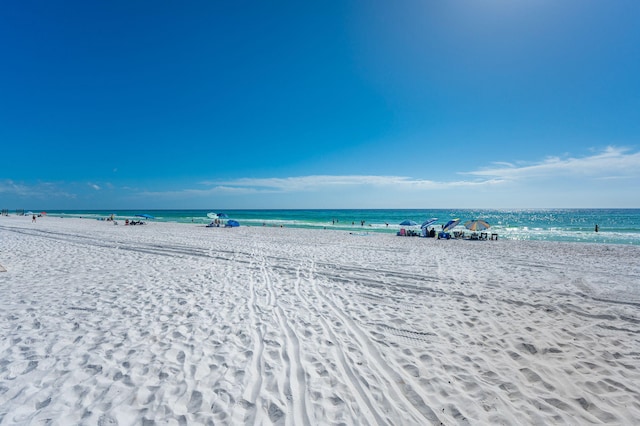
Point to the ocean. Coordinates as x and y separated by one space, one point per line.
616 226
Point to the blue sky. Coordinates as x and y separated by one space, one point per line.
333 104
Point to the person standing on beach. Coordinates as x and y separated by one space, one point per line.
33 218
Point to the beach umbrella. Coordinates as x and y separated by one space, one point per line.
146 216
223 215
450 225
408 223
429 222
477 225
212 215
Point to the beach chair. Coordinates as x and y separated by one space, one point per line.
483 236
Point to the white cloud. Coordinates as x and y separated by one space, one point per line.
507 184
308 183
38 190
9 186
190 192
611 163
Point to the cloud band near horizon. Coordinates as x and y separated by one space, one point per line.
609 163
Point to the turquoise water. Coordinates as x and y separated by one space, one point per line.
616 226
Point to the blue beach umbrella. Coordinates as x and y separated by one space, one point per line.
408 223
450 225
429 222
223 215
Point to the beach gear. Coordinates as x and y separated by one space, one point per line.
450 225
476 225
212 215
408 223
429 222
232 223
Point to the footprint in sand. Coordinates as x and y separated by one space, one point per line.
41 405
195 402
106 420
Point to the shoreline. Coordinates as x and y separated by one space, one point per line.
615 226
626 233
174 322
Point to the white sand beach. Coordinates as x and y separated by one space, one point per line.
174 324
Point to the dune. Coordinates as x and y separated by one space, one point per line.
181 324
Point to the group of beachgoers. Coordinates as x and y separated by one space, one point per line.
126 222
215 223
425 232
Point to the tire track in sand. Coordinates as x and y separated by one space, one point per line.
370 408
253 388
295 389
415 405
245 410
